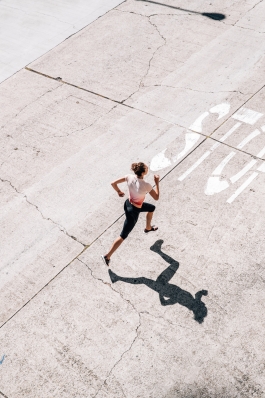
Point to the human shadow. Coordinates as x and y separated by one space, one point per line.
212 15
169 294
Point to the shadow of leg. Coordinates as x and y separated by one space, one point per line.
113 277
135 281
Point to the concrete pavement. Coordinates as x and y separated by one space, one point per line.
31 28
185 94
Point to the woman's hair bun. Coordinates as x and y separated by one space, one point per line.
138 168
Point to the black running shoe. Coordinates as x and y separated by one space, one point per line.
105 260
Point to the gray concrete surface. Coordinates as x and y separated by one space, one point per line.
185 94
31 28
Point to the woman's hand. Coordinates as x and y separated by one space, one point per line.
156 178
121 194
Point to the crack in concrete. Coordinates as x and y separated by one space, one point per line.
125 352
140 314
165 320
235 23
130 12
43 287
121 358
255 6
139 324
158 48
6 159
199 91
3 395
61 228
253 30
26 106
108 284
84 128
153 55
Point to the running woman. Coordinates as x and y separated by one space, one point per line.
135 205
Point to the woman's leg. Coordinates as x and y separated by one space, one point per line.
114 247
149 208
129 223
149 217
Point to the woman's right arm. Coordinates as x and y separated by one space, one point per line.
155 192
115 183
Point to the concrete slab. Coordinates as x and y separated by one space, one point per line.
31 28
66 332
215 246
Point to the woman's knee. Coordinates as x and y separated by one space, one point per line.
127 228
152 208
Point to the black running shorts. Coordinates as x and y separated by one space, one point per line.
132 214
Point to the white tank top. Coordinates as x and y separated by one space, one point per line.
138 188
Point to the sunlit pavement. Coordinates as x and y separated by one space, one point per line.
174 86
31 28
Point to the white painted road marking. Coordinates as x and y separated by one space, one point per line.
214 183
197 125
261 153
160 161
242 172
248 138
225 136
194 166
242 187
220 109
207 153
190 141
247 116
